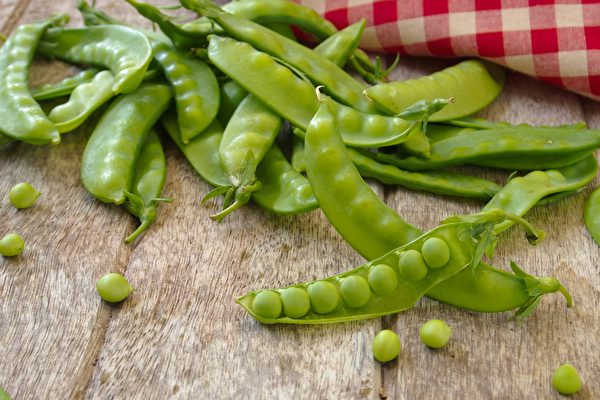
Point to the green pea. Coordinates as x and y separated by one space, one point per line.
4 395
412 266
11 245
23 195
113 287
267 304
436 252
383 279
355 291
435 333
386 346
324 296
566 379
295 302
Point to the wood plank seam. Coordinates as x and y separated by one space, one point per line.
14 18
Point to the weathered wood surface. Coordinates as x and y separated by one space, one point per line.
180 335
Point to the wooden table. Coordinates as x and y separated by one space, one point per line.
181 335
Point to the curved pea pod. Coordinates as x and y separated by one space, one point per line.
21 117
522 193
339 47
283 190
442 182
125 51
479 145
147 185
364 221
109 159
533 163
232 95
298 156
195 88
85 99
382 286
472 84
64 87
591 215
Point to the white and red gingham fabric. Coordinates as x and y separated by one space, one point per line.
557 41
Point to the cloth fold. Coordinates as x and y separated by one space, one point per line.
557 41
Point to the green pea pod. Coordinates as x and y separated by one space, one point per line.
472 84
108 163
367 224
481 123
440 182
4 395
592 215
533 163
85 99
63 87
195 88
284 190
147 185
298 154
125 51
382 286
522 193
340 46
21 117
501 142
339 84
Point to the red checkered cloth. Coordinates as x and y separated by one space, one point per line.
557 41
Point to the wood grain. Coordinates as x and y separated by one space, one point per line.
181 335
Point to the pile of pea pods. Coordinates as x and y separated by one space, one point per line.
225 86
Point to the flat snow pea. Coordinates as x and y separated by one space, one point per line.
21 117
378 287
338 48
147 185
232 95
471 83
592 215
125 51
478 145
85 99
108 162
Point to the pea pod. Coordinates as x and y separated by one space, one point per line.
232 95
339 84
147 185
338 47
367 224
284 191
63 87
125 51
380 287
21 117
472 84
592 215
501 142
85 99
533 163
108 163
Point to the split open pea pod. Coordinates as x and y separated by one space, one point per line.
382 286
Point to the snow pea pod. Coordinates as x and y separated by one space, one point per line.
501 142
284 190
339 84
591 215
440 182
85 99
364 221
63 87
533 163
108 163
125 51
379 287
232 95
340 46
21 117
147 185
472 84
